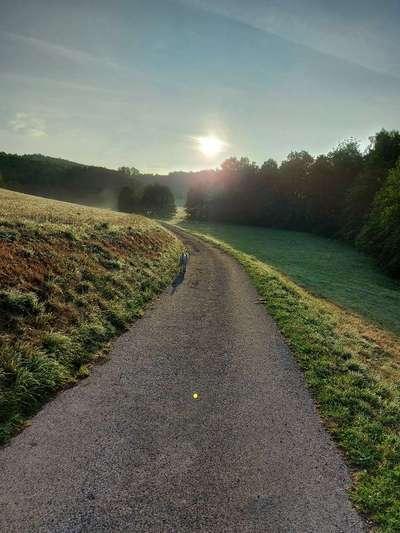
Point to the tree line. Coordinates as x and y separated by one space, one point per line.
152 200
121 189
64 180
345 194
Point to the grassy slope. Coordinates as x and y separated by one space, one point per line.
328 268
353 372
71 277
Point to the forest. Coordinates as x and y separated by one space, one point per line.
64 180
60 179
346 194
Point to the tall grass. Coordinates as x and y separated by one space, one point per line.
71 278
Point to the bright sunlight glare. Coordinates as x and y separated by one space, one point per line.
210 145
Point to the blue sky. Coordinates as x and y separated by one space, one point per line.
133 82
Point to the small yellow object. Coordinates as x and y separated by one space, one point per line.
196 395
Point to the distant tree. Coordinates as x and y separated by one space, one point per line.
129 171
347 163
384 150
272 200
197 202
321 200
129 200
294 189
158 201
381 234
235 197
270 166
330 177
381 156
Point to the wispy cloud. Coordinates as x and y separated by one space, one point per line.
310 25
28 124
76 55
60 83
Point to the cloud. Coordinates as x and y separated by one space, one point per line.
72 54
59 83
315 25
69 53
28 124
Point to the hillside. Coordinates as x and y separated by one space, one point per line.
63 180
71 278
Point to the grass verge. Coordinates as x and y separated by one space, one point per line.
71 278
353 371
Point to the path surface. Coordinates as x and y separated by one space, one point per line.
129 449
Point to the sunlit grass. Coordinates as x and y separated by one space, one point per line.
71 278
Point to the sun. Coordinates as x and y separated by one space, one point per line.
210 146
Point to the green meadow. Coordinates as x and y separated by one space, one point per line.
326 267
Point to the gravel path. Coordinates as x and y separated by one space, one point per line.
129 449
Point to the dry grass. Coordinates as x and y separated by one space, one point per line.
71 277
371 339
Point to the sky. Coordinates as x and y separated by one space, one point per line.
136 82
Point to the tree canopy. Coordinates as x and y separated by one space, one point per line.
158 200
153 200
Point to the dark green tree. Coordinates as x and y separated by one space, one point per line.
129 171
129 200
158 201
381 156
294 190
197 202
330 177
381 234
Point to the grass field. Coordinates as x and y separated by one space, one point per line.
71 278
326 267
352 368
